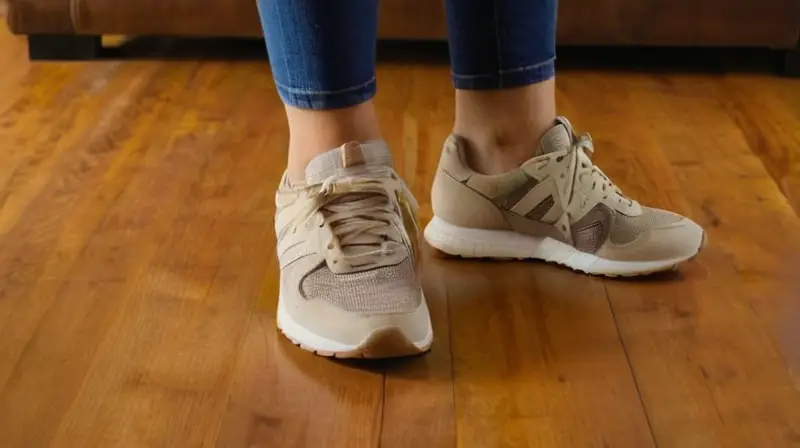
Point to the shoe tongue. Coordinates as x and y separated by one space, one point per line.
558 138
350 158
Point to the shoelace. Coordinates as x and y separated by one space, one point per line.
583 146
359 213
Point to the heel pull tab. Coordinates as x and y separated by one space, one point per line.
352 155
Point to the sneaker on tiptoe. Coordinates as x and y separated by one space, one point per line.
558 207
347 246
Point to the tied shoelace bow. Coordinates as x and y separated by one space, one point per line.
359 213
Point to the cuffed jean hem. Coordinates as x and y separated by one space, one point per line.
504 79
324 100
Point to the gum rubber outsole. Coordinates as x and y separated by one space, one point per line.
441 254
381 344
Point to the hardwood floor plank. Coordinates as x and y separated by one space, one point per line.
138 281
190 300
28 144
763 261
66 330
12 48
419 406
36 255
283 396
709 370
537 359
419 401
767 111
763 264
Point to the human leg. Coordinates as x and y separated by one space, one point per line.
514 180
322 56
503 55
344 220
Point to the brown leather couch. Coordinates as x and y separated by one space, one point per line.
70 28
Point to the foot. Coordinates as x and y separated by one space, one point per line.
556 207
347 246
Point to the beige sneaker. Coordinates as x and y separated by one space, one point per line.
347 246
556 207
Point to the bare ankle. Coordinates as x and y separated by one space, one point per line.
315 132
488 155
502 127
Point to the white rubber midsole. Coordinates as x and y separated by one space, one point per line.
313 341
480 243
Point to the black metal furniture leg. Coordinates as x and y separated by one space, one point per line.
791 63
63 47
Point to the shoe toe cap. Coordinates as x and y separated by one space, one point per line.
679 240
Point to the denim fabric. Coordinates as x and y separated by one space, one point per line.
501 43
322 52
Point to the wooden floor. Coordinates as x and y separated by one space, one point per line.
138 279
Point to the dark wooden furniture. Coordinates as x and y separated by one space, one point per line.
70 28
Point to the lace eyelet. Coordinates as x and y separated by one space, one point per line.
330 246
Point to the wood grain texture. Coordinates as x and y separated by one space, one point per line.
698 343
667 22
138 280
40 16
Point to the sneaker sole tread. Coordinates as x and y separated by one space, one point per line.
437 241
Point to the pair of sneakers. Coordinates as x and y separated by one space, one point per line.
348 241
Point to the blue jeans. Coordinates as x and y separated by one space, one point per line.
322 52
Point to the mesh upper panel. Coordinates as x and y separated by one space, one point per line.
628 228
591 231
590 238
385 290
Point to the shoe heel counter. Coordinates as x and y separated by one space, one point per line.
456 203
